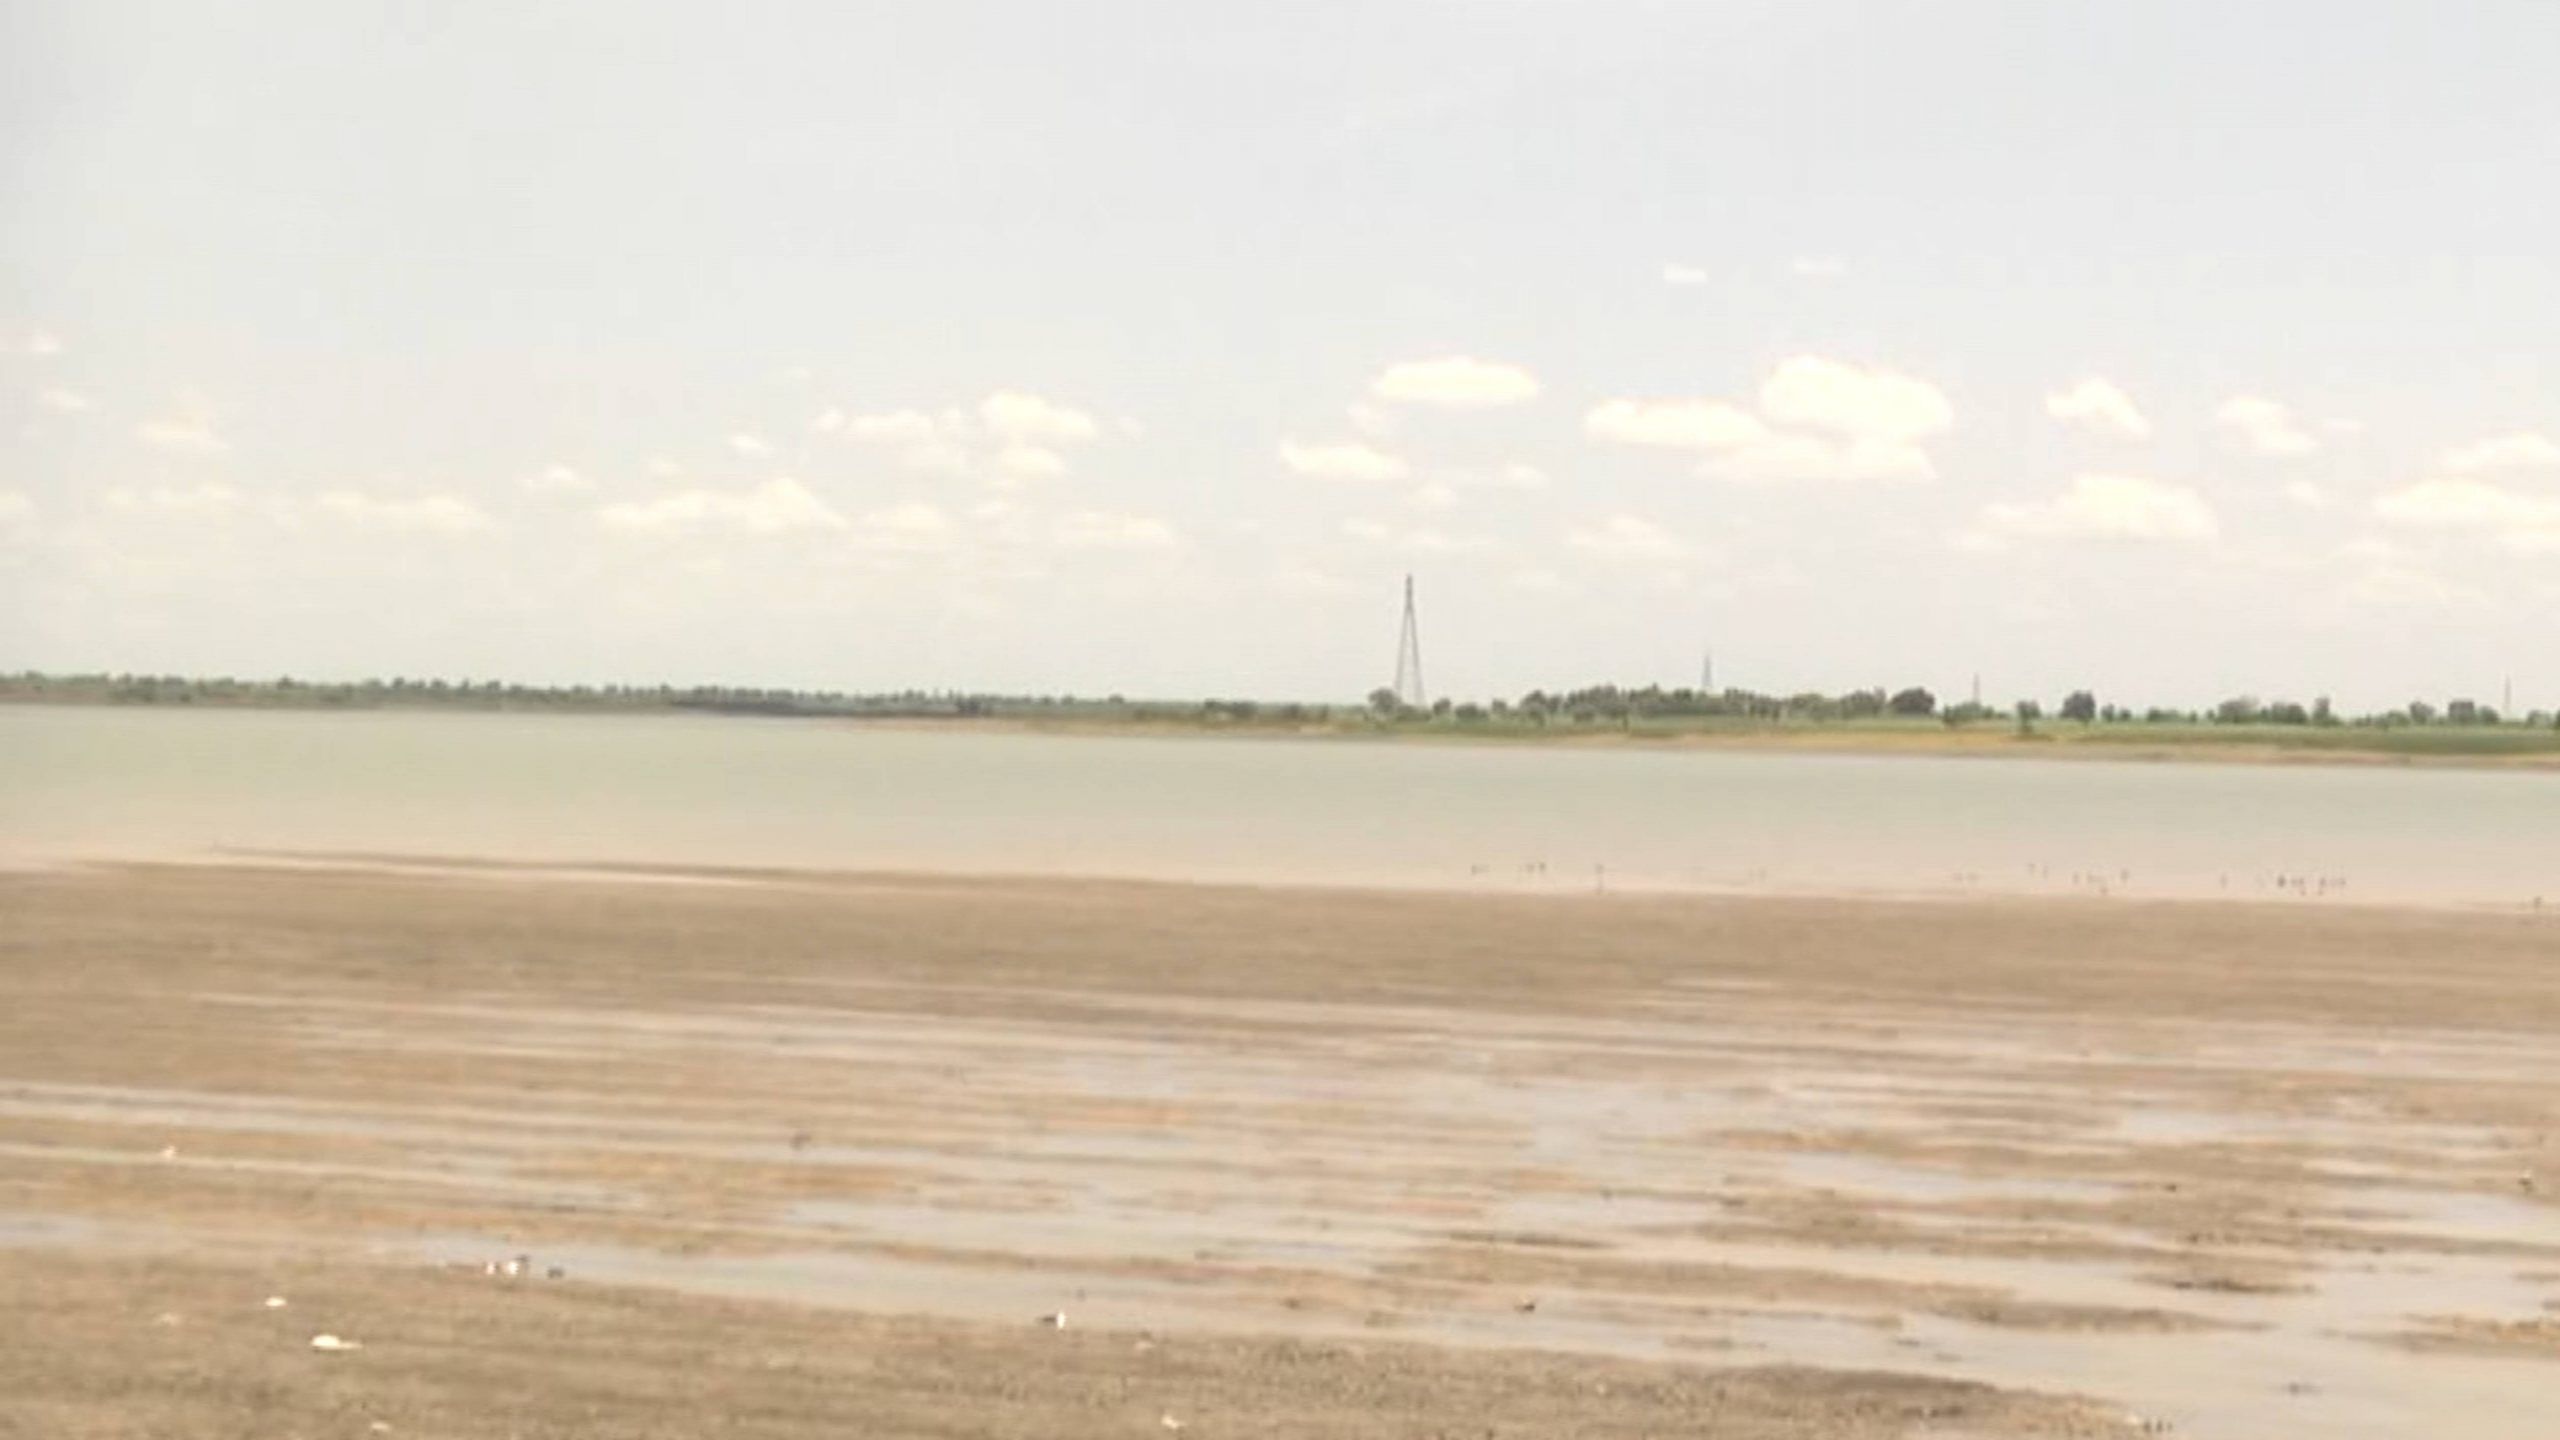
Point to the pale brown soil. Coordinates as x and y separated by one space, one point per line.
814 1152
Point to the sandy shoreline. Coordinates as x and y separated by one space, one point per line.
1585 1165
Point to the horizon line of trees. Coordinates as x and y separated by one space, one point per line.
1611 703
1587 705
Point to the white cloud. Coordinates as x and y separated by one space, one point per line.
1520 476
1102 530
2467 505
1628 537
1866 423
1858 401
2265 426
1030 462
1538 580
1683 424
70 402
665 468
436 514
2307 495
1375 421
1776 459
2105 507
828 421
2523 450
210 497
1456 382
1678 274
775 507
187 432
1818 267
1435 495
1028 419
1347 460
557 479
40 343
2100 408
754 447
17 512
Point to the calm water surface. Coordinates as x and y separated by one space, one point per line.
132 782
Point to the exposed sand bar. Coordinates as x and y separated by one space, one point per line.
814 1151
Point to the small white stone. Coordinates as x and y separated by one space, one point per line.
275 1302
332 1342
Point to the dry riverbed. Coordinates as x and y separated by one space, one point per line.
815 1155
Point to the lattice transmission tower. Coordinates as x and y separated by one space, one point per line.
1409 691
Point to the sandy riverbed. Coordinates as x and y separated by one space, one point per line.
813 1153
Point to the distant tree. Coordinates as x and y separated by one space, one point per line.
2321 714
2421 713
1440 708
2028 713
1384 701
2080 705
2462 712
1471 713
1914 701
2286 712
2238 710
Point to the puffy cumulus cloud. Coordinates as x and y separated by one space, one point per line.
204 499
1008 437
1021 418
2307 495
2105 507
17 513
2523 450
1455 382
1678 274
1520 475
1434 495
1842 422
2264 426
1680 424
557 479
2519 521
1776 459
187 430
1624 537
430 514
1858 401
40 343
69 402
1348 460
776 507
752 446
2099 407
1818 267
1104 530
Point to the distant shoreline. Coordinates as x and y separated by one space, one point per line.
2508 747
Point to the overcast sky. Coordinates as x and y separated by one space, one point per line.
2174 349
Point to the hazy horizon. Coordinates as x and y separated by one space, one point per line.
2174 351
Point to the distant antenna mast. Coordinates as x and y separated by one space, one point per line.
1977 688
1409 656
1707 673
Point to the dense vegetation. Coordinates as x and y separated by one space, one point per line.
2455 727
